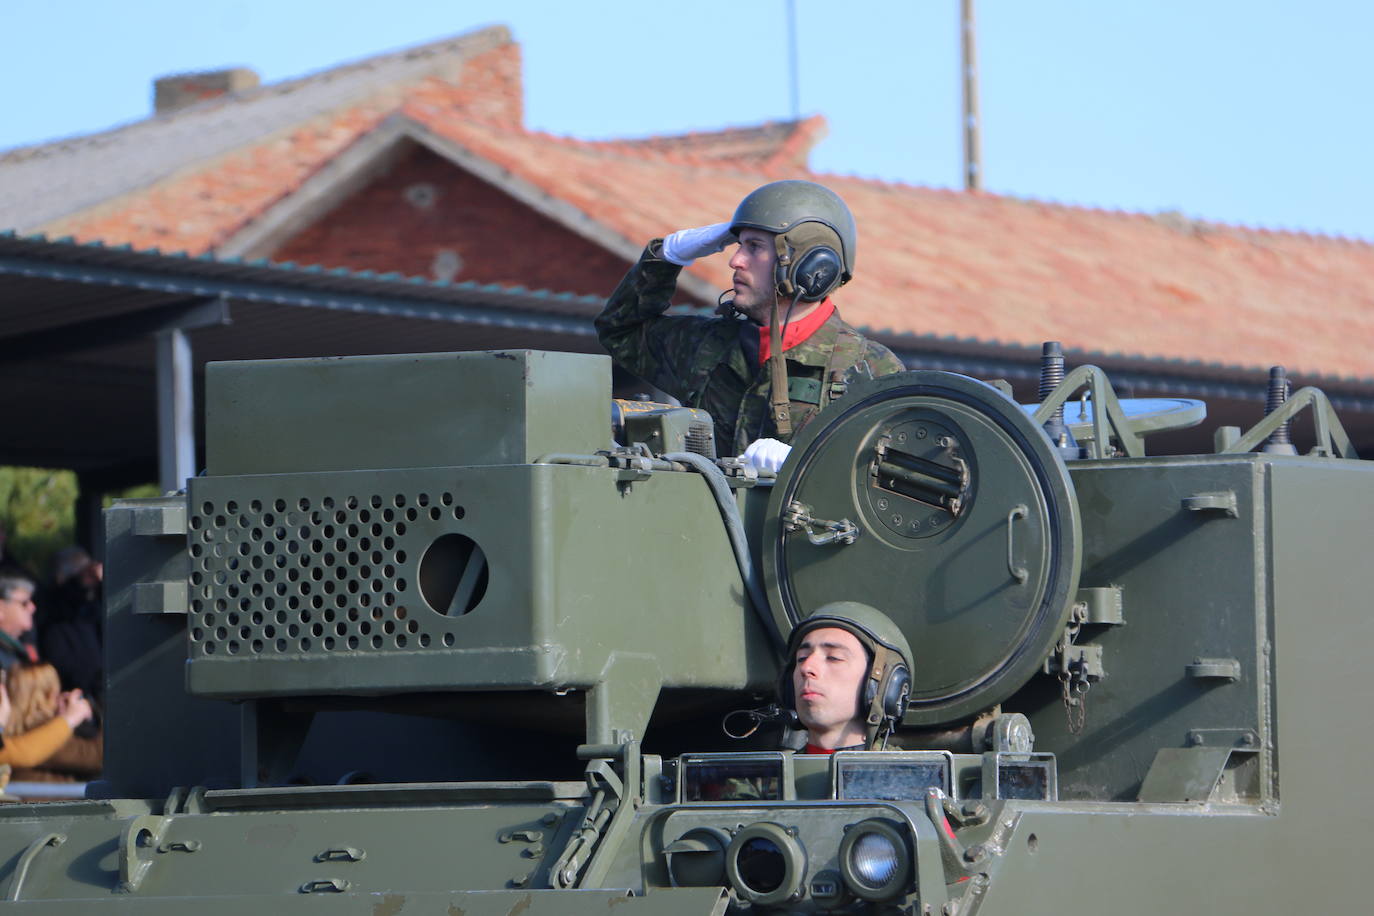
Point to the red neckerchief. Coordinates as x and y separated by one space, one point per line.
814 749
794 332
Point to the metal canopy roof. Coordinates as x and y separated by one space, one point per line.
80 324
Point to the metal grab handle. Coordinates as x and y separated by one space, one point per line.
21 870
1018 573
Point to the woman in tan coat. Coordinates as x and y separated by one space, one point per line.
36 717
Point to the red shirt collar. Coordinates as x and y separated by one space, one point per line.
795 332
816 749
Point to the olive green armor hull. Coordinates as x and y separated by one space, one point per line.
423 639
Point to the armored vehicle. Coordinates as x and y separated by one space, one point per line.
452 633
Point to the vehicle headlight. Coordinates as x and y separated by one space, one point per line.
765 863
875 860
697 858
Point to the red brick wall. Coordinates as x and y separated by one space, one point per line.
424 205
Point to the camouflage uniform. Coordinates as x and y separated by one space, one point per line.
713 363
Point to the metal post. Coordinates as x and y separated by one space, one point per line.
176 441
90 526
973 151
792 54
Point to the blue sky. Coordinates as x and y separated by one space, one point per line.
1255 113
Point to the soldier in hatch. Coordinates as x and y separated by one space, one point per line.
847 675
782 353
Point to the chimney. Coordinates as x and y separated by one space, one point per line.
182 90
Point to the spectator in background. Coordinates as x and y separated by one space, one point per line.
36 728
69 629
16 619
76 755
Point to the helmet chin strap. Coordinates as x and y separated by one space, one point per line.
878 723
777 367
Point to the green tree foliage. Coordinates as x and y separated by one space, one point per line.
38 508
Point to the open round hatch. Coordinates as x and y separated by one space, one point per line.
935 499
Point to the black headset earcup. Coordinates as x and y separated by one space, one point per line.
896 690
816 273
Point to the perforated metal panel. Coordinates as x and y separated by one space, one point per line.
312 566
454 579
315 575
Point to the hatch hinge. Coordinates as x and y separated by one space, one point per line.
1079 666
1100 605
613 780
945 486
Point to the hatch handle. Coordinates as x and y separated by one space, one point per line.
819 531
1018 573
180 846
326 886
21 870
1223 502
1225 669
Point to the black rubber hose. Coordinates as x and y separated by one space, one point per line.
734 527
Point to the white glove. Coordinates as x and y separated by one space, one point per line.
686 245
766 454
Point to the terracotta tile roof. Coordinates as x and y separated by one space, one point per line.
1001 269
39 184
766 147
932 263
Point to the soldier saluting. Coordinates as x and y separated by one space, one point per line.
780 352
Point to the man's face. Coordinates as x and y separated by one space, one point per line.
831 666
92 574
16 613
753 263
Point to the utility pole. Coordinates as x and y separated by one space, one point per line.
792 66
973 148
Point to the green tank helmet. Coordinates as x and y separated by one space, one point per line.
815 235
883 698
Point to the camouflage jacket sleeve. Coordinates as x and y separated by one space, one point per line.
658 348
881 360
